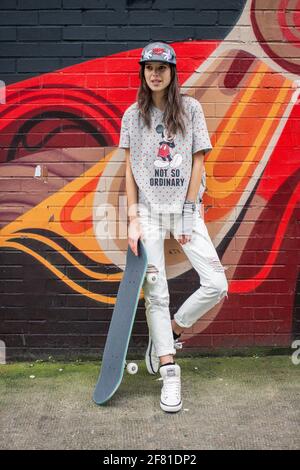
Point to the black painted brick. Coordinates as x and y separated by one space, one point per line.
9 78
117 4
60 17
142 4
18 49
60 49
8 33
151 17
128 33
7 65
67 61
172 33
37 65
176 4
225 17
8 4
86 4
15 341
39 34
18 17
107 17
206 18
39 4
84 32
211 32
199 4
122 24
33 341
102 49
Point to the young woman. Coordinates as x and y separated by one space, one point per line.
165 137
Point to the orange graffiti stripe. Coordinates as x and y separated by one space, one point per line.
47 214
78 226
73 285
60 250
248 142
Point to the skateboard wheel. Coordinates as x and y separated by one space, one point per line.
132 368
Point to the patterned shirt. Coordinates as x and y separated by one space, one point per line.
161 164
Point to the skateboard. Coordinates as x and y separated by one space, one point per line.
119 333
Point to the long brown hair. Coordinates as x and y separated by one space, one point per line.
174 111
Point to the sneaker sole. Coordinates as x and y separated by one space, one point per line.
171 409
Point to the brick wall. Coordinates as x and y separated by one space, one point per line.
70 70
41 37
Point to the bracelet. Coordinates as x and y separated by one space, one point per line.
192 203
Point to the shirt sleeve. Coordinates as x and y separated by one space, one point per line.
201 140
124 134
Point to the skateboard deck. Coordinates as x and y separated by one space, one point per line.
119 333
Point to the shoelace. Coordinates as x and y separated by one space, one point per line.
171 387
178 344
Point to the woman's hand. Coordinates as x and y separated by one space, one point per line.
186 222
134 233
184 239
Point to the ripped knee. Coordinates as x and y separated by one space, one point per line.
152 274
219 282
223 293
219 287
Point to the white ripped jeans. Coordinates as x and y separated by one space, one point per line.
204 259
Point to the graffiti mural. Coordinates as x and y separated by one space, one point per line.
63 188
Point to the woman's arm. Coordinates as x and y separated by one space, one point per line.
195 181
198 165
192 192
131 188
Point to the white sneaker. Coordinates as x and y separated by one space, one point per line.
151 358
170 399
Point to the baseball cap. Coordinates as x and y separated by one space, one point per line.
158 52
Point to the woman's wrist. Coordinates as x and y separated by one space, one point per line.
190 203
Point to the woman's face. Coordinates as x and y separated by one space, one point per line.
157 75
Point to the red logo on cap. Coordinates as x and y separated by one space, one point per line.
158 50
